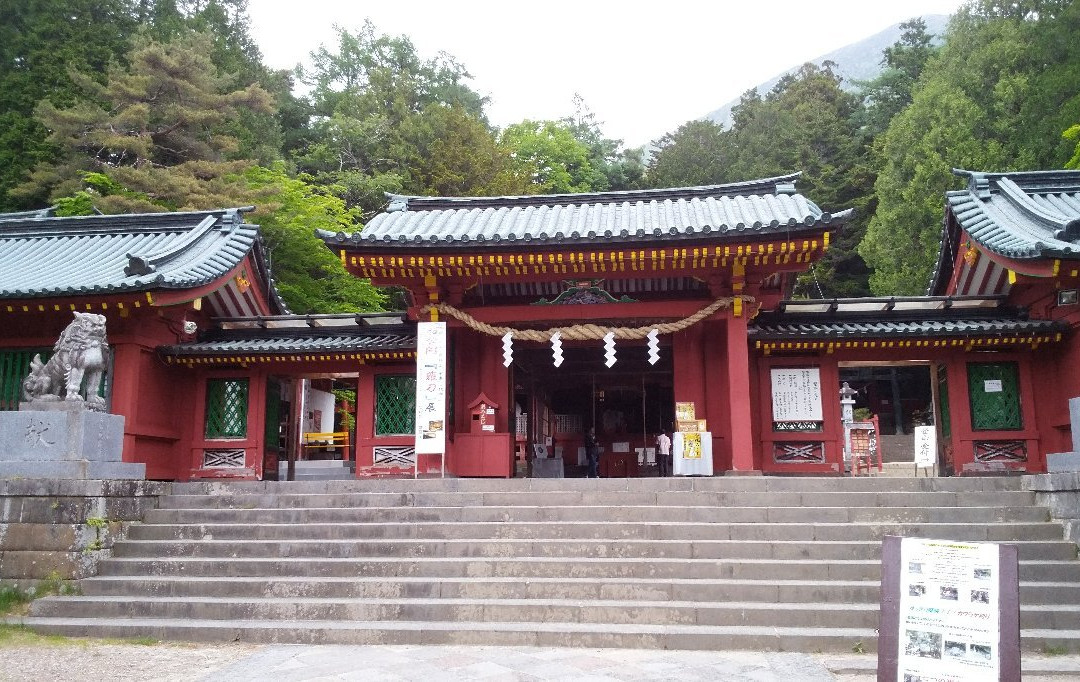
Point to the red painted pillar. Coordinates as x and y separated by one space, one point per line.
738 393
127 358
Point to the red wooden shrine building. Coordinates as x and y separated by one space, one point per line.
207 362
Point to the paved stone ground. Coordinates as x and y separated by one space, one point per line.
517 663
83 660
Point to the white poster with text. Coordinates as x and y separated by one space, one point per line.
796 394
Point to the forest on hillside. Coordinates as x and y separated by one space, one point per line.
124 106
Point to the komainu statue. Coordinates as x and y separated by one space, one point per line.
80 353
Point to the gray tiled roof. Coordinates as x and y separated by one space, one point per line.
47 256
1021 215
907 317
767 207
289 334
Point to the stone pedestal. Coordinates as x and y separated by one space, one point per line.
547 467
63 439
1058 462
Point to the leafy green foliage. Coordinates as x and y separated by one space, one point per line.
805 123
903 62
698 153
160 129
1073 134
553 159
996 97
40 41
309 276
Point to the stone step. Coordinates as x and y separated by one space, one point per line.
605 514
587 635
549 567
487 610
738 484
754 614
623 589
582 530
609 547
253 500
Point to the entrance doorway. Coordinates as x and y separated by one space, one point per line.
310 424
627 404
900 395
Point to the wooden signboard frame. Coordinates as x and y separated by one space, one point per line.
1008 607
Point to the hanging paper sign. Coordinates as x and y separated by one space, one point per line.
556 349
508 348
796 394
609 349
654 347
431 388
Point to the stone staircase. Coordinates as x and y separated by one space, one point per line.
705 563
320 470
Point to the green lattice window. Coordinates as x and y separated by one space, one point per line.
395 404
994 390
226 408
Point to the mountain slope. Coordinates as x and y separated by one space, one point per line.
859 61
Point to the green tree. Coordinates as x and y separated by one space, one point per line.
310 277
697 153
903 62
40 41
1073 135
455 154
995 97
623 169
388 120
371 73
160 129
553 159
807 122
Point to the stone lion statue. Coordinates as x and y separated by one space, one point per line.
80 353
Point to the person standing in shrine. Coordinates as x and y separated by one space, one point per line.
663 454
592 453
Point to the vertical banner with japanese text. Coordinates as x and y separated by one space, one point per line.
431 388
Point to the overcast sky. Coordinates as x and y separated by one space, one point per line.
644 68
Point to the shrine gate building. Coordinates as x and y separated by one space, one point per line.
217 379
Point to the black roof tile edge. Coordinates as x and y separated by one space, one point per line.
881 330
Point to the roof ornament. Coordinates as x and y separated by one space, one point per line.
980 185
785 188
144 265
397 203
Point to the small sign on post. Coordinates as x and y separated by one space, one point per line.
925 447
949 611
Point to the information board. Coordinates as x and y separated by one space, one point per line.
949 611
796 394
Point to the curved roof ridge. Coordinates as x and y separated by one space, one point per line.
773 184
